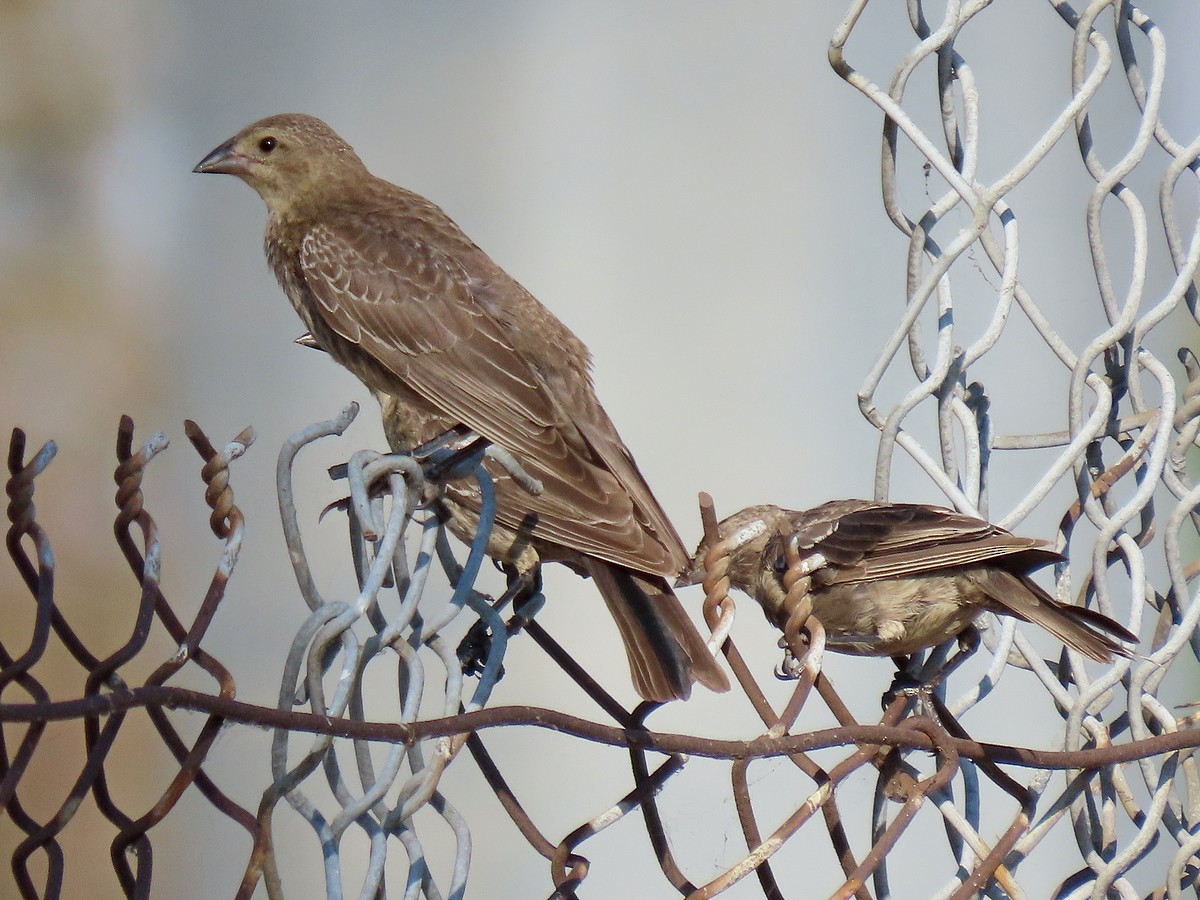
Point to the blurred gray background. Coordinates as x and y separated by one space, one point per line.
688 186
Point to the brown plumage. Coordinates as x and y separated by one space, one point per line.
895 578
395 292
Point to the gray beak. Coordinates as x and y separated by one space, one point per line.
223 161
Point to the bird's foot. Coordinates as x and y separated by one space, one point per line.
968 643
474 649
907 684
451 455
524 591
791 665
904 685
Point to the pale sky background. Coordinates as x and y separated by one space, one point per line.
688 186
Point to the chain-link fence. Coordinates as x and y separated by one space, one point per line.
374 705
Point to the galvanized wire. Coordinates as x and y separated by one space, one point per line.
1120 398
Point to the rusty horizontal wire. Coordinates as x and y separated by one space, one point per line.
763 746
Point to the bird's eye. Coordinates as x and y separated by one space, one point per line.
780 564
267 144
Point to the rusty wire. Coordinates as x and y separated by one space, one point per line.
1129 779
131 850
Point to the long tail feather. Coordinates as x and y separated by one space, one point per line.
666 653
1093 634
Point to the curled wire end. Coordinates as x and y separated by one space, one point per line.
309 433
724 613
370 476
21 512
361 485
794 615
215 472
199 439
16 451
719 608
797 609
716 575
510 465
343 419
718 556
708 518
155 444
241 443
36 465
131 468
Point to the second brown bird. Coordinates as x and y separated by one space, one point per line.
890 579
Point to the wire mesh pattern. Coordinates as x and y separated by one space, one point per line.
1127 448
99 708
1131 422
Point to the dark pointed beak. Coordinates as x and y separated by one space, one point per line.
223 161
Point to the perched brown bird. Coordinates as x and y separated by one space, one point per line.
890 579
395 292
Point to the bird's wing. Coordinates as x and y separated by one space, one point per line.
412 310
863 541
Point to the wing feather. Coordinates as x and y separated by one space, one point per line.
424 319
863 541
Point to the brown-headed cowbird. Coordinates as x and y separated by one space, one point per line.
399 295
890 579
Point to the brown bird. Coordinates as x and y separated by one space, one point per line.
399 295
890 579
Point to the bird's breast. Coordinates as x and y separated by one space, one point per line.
893 616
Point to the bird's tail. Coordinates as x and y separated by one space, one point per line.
666 653
1093 634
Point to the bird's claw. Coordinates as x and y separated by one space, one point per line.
474 649
904 685
790 667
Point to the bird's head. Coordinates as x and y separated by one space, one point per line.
285 157
745 535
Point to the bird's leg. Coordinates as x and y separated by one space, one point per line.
906 682
451 455
453 439
968 643
524 591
